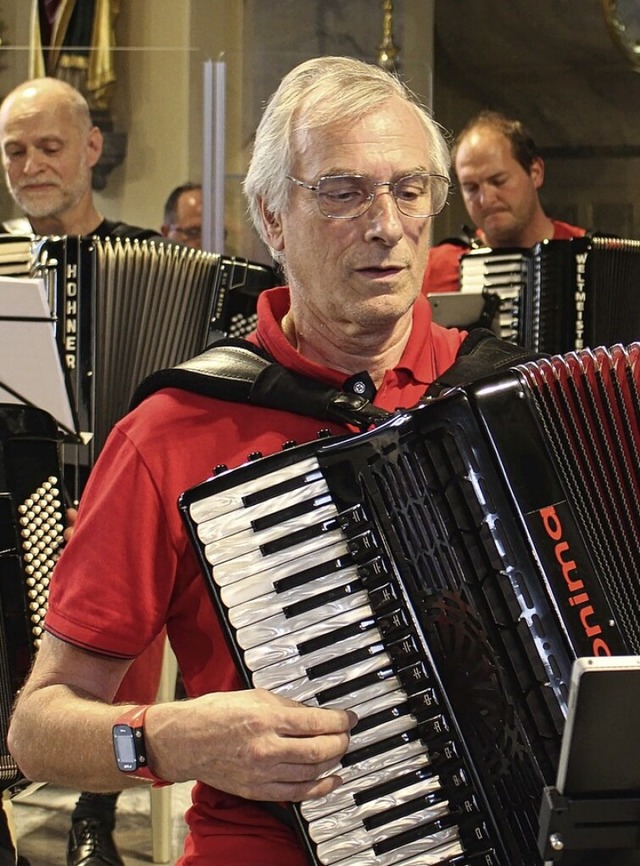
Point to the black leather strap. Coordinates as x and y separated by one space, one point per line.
236 370
239 371
226 370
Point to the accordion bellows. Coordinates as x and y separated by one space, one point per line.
125 309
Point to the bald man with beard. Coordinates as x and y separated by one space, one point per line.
49 146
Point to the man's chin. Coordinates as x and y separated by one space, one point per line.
38 207
386 309
500 232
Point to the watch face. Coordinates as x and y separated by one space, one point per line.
125 748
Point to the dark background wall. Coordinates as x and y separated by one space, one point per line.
556 65
553 63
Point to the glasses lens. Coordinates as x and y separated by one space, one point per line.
344 196
192 233
421 195
348 196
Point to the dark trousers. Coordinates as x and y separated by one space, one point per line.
7 849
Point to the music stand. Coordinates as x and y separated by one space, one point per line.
466 310
595 803
31 370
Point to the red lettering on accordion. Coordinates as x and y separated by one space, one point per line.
578 596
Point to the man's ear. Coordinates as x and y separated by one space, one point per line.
272 227
94 146
537 172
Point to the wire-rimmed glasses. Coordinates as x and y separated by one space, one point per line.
347 196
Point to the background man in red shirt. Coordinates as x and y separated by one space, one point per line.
500 173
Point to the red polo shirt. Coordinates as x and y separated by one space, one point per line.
130 569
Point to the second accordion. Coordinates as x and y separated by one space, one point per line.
124 309
561 295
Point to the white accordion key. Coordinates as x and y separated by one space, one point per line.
225 525
270 642
229 500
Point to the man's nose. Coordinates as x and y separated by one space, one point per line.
487 193
32 162
384 216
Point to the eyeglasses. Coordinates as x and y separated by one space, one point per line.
347 196
190 234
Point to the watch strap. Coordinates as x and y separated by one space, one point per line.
134 718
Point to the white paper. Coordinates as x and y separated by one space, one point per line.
30 365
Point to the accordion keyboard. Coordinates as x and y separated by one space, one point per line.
316 613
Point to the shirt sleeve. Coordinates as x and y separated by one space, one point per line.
111 587
442 273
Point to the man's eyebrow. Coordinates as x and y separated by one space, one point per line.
345 172
39 142
496 176
49 139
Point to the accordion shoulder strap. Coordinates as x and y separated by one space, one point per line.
236 370
481 354
239 371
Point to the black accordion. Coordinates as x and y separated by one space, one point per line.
236 296
561 295
31 527
126 308
439 575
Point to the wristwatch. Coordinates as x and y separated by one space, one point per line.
129 746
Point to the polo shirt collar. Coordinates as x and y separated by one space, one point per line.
416 360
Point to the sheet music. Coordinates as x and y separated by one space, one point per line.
30 365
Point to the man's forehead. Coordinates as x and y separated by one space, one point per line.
39 129
490 151
39 138
482 141
47 113
191 197
392 133
190 203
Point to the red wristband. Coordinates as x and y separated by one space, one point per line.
130 748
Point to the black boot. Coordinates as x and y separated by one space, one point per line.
91 840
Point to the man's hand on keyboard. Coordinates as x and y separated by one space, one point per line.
250 743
